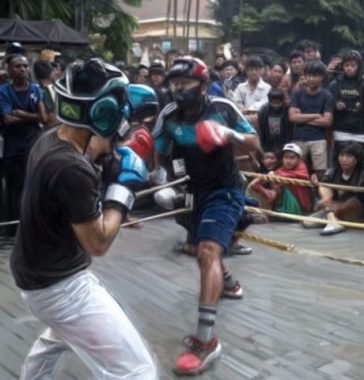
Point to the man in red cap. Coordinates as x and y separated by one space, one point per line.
197 132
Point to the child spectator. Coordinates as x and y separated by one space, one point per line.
311 111
346 90
275 129
291 199
270 162
340 204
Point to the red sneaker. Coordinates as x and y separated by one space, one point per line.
236 292
198 356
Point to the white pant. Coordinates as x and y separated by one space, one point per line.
83 317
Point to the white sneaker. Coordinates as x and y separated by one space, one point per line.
332 229
319 214
234 293
238 248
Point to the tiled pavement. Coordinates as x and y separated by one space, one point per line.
302 318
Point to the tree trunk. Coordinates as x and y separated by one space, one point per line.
188 24
175 20
168 15
196 24
11 9
184 16
43 10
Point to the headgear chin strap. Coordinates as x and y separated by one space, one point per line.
100 111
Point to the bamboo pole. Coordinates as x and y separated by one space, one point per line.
153 189
301 218
179 211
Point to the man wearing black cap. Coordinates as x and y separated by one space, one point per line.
157 74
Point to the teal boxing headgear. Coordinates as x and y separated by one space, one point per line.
92 95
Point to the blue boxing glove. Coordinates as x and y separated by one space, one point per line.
132 175
133 172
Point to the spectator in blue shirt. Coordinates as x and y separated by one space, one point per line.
21 112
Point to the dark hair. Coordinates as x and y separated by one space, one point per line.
307 44
275 94
231 62
296 54
42 69
157 68
267 61
277 153
316 68
353 55
214 76
172 52
353 148
9 58
254 62
280 64
58 65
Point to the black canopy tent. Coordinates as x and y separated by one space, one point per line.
49 33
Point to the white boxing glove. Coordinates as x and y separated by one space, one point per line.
232 135
166 198
158 176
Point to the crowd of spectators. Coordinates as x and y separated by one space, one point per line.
308 115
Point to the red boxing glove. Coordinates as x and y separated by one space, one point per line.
141 142
210 135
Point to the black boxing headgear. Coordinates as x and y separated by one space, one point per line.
92 95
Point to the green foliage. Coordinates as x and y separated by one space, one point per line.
280 24
118 36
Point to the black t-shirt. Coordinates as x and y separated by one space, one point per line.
275 130
348 91
318 103
61 187
335 175
177 138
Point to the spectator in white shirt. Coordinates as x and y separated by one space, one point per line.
252 94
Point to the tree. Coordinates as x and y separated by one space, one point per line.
119 34
279 25
226 11
80 14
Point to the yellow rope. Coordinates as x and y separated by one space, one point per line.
302 182
260 239
301 218
292 249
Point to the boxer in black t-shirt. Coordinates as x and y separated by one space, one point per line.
64 222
